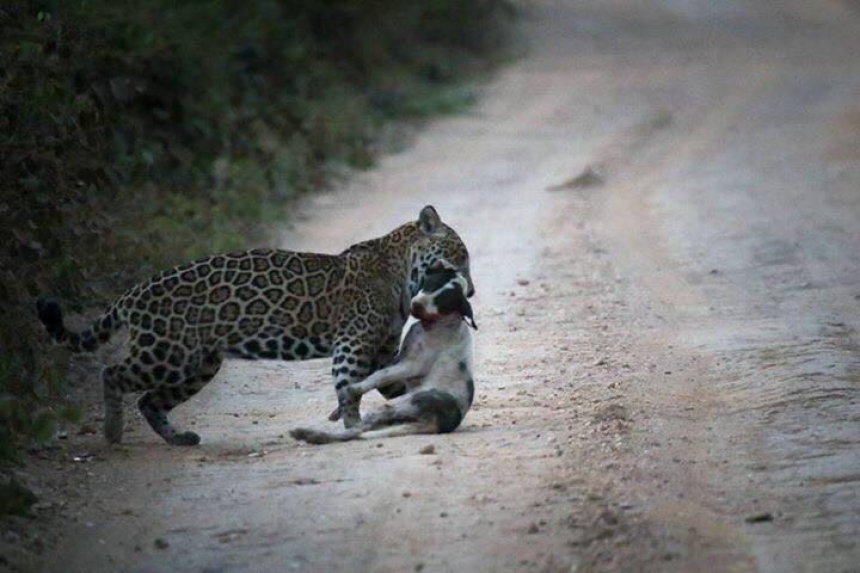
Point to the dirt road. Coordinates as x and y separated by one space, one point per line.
662 201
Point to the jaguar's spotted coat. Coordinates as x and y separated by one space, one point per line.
263 304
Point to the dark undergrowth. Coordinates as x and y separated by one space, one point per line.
135 134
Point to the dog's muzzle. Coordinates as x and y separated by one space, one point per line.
419 312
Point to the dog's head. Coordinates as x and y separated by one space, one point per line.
443 293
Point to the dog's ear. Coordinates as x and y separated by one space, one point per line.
429 220
466 311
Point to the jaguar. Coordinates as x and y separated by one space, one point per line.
268 304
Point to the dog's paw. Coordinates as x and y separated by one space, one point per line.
335 415
299 433
310 436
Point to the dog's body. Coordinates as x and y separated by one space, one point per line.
434 364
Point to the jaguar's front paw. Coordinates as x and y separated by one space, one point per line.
349 407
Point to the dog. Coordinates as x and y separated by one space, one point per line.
434 365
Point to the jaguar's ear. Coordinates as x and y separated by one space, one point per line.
429 220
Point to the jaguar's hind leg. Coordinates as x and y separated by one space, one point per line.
113 414
117 380
156 404
114 386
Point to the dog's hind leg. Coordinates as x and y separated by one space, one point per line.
388 415
387 376
403 413
312 436
422 427
394 378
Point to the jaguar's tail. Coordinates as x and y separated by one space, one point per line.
103 327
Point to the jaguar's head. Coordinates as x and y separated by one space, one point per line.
438 248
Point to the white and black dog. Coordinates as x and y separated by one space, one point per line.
434 365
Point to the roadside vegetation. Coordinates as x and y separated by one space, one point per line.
134 135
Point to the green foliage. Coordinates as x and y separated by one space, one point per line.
15 498
136 134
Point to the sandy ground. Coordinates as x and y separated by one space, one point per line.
662 201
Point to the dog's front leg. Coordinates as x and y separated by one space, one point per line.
398 372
